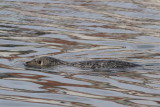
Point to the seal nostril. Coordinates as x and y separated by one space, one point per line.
26 63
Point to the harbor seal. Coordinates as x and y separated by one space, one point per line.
43 62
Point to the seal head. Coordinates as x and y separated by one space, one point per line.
44 62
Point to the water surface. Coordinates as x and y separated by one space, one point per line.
79 30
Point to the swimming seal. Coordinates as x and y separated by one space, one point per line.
42 62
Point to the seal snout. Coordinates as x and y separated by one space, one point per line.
27 63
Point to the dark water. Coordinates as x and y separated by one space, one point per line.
76 30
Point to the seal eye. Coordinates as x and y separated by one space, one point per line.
39 62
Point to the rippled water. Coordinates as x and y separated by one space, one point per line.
77 30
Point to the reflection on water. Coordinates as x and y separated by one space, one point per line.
76 30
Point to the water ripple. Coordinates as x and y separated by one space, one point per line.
77 30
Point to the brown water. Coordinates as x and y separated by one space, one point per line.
76 30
